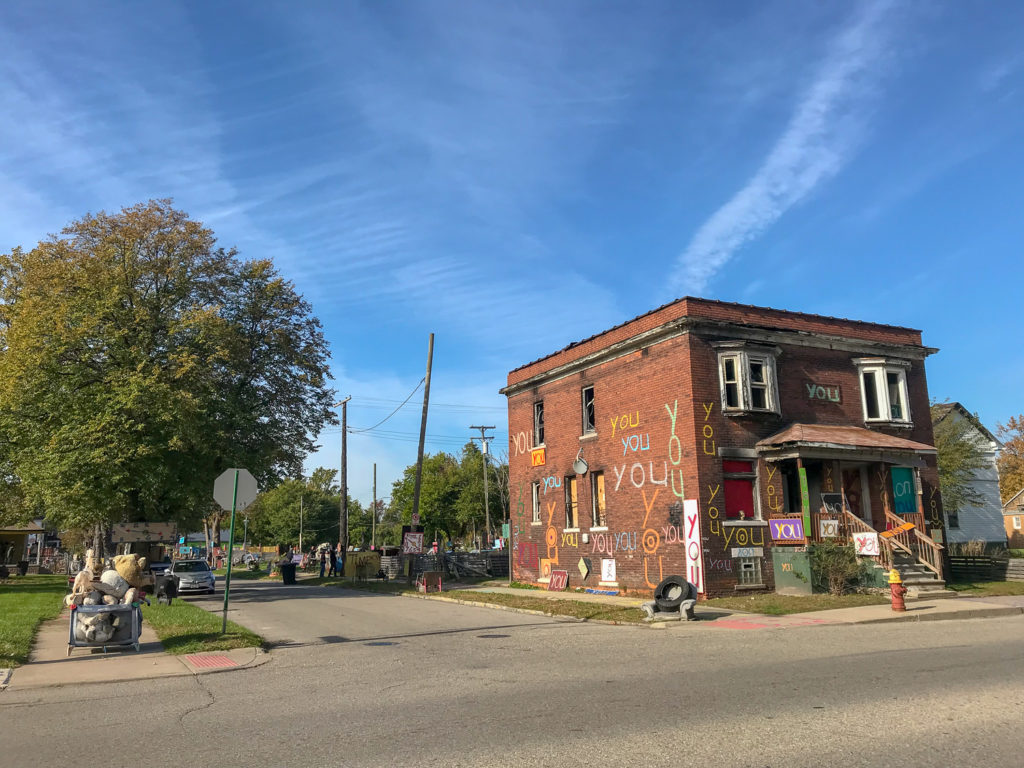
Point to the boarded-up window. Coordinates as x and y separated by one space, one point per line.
597 494
571 503
738 484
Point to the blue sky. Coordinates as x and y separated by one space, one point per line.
514 176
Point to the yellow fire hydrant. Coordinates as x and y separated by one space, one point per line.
898 591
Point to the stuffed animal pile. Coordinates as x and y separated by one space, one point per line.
120 585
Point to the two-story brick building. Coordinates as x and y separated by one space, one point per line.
695 439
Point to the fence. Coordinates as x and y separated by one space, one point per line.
983 568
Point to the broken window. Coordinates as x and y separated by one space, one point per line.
571 503
597 499
538 423
589 422
748 381
884 389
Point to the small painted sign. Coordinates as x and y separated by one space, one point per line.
559 581
805 498
832 503
607 570
897 530
828 392
787 530
583 566
866 544
692 542
412 544
828 529
537 457
904 498
738 552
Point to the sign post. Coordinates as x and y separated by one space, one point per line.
240 487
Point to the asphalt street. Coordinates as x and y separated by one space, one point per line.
374 680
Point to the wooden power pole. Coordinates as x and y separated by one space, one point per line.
423 432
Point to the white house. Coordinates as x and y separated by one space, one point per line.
985 522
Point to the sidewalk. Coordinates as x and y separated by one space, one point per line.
50 664
721 618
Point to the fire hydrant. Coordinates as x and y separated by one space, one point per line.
898 591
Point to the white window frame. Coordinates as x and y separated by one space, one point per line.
882 369
572 507
756 571
1016 522
742 358
536 504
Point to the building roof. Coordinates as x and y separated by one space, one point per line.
1014 503
941 411
721 313
837 437
30 528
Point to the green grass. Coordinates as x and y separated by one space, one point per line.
1016 552
241 574
987 588
25 602
186 628
779 605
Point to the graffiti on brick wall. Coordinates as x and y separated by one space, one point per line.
551 482
773 489
624 422
675 451
638 477
636 442
708 431
528 554
519 443
722 565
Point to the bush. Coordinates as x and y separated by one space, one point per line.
835 567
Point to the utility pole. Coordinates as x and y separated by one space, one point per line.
423 432
487 504
373 511
343 514
301 497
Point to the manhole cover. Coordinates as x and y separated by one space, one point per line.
491 637
381 642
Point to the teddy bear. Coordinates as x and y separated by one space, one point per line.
94 628
82 587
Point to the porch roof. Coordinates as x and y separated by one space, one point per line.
30 528
847 440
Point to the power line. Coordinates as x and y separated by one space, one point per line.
354 431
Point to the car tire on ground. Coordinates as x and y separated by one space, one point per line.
671 592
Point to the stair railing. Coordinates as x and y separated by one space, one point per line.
917 543
904 540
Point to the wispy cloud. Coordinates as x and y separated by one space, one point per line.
818 141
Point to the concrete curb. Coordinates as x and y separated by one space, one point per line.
970 613
532 612
5 677
260 657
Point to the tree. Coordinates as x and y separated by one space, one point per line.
959 456
274 515
1011 457
138 360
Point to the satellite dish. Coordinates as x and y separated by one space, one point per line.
580 467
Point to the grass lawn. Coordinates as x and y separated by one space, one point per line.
241 574
25 601
186 628
987 588
778 605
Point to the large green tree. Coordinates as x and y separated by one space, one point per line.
1011 457
960 454
138 360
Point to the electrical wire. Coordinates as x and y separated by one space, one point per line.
355 431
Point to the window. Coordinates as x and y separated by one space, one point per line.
1016 522
750 572
589 424
536 502
571 503
883 387
597 499
748 381
538 423
738 480
952 518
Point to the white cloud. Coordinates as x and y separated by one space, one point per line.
817 142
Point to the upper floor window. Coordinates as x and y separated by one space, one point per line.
589 423
538 423
748 382
883 389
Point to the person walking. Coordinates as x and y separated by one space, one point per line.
334 563
323 562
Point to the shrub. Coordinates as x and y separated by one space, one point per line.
835 567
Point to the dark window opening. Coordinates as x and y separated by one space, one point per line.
538 423
871 395
589 422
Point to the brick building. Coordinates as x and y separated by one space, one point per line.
714 440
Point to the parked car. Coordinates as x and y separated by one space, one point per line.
194 576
